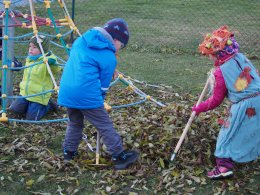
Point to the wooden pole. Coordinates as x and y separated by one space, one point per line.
193 114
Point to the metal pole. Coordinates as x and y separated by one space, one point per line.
72 17
8 53
9 44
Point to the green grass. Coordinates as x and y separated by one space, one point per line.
165 35
162 50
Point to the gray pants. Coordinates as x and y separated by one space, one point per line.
101 121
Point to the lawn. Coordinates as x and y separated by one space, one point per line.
162 51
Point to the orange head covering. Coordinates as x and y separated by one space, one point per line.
216 41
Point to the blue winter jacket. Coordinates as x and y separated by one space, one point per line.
88 71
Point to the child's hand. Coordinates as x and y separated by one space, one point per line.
51 61
107 107
115 75
17 63
197 109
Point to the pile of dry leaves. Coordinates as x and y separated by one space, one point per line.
31 155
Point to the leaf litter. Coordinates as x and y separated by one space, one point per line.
31 154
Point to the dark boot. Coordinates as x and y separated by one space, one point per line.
53 106
68 155
124 159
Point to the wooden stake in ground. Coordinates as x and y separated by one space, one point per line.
98 153
193 114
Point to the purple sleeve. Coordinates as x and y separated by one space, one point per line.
218 96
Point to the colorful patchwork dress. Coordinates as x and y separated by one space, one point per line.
239 137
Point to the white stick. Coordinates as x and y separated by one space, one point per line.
193 114
39 43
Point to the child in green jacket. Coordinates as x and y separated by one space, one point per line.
36 80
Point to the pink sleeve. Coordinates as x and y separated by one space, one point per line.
218 96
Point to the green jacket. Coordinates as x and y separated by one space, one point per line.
37 79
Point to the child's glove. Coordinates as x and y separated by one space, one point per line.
198 109
17 63
51 61
107 107
115 75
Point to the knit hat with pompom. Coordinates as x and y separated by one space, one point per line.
118 29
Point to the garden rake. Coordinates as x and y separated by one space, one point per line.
97 150
98 153
193 114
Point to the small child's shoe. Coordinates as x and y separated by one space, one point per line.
68 155
53 106
220 173
124 159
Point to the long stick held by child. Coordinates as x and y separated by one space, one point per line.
190 121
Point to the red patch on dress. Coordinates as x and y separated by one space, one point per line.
244 79
250 112
246 74
223 122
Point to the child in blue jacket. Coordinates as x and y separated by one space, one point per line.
84 82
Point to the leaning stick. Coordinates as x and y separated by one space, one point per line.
193 114
98 148
98 153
